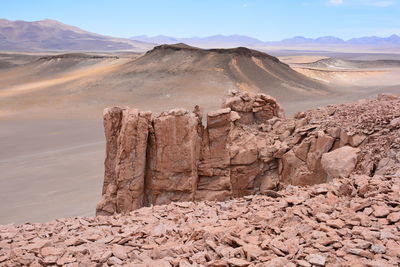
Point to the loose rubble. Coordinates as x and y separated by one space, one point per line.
335 224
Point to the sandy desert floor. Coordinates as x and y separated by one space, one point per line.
52 151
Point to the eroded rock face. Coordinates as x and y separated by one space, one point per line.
173 157
126 133
214 167
247 147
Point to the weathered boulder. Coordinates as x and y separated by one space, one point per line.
253 108
340 163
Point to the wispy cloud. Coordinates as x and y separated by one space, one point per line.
336 2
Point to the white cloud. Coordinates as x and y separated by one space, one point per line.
336 2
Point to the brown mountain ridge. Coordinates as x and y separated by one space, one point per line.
51 35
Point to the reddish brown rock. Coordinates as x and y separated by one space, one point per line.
356 140
302 150
125 164
253 108
394 217
174 152
322 144
295 171
112 128
340 162
213 169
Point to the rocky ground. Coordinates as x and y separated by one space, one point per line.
349 222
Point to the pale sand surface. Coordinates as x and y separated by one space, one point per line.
49 168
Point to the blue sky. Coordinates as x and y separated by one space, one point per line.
267 20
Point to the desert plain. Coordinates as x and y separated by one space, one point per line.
51 105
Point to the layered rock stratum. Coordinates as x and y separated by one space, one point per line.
322 189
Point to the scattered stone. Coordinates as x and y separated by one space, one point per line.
378 249
359 252
381 211
394 217
238 262
119 252
316 259
303 263
338 223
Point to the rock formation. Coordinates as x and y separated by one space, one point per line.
247 147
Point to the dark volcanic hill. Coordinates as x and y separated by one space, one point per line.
51 35
181 69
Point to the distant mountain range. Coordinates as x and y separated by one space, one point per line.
241 40
51 35
211 41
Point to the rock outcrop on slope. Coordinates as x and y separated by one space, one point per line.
173 157
349 222
247 147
